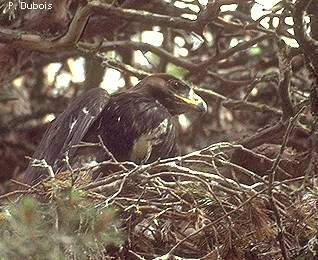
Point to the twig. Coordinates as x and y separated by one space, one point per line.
37 43
280 235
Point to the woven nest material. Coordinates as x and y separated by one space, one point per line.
184 207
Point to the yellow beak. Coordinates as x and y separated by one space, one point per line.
194 101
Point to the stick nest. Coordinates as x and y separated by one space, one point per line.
185 207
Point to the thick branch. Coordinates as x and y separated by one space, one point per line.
75 30
144 16
308 44
37 43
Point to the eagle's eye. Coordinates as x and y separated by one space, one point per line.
179 87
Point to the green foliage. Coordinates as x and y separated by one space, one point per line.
66 226
176 71
255 51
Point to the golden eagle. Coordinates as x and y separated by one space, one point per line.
135 125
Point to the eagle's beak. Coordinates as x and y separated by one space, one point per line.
194 101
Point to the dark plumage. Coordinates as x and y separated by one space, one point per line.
135 124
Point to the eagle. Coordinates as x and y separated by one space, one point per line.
135 125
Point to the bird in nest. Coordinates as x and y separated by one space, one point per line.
135 125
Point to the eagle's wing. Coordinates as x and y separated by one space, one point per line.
67 130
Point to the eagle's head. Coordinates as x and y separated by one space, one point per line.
176 95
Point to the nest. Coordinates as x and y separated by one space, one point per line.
185 207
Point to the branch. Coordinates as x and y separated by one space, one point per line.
37 43
284 79
230 52
148 47
238 104
308 44
271 177
205 17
